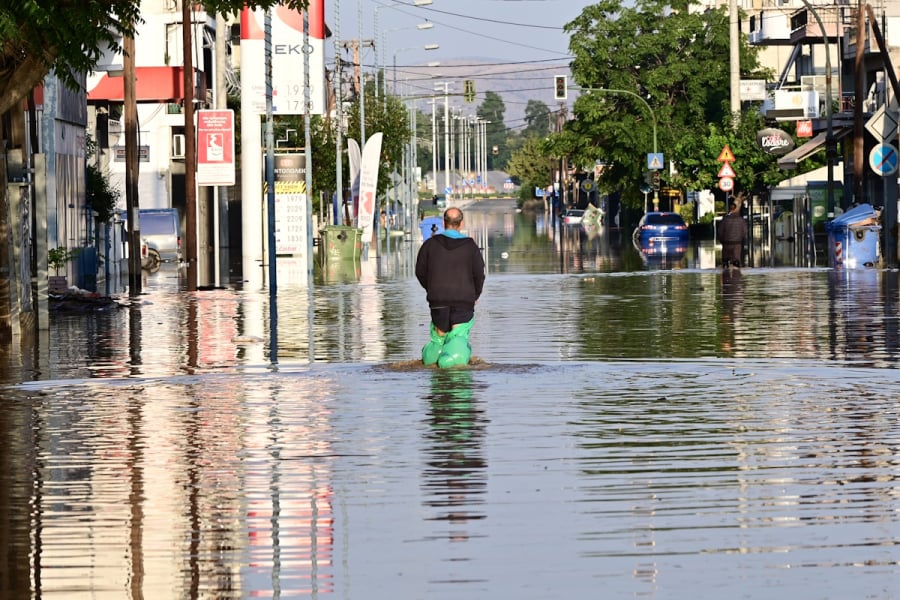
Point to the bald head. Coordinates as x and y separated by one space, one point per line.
453 218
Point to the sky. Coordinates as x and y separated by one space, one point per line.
520 41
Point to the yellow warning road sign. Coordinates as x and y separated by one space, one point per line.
726 155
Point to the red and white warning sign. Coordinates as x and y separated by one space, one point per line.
215 147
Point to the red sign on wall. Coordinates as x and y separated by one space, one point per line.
215 147
804 129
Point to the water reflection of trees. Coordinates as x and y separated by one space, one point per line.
455 477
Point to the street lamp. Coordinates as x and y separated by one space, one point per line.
420 27
399 50
446 134
393 4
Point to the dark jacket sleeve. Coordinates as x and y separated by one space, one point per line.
477 270
422 264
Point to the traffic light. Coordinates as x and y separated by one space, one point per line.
469 90
656 180
560 87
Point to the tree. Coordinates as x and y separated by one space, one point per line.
665 55
389 116
537 119
530 165
492 109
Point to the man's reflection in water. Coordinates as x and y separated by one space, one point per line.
456 474
732 298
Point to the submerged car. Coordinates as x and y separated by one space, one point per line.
573 216
661 228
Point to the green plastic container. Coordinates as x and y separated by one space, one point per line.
340 242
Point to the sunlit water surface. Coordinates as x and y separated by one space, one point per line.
626 430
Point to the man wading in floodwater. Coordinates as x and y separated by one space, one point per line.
732 233
450 268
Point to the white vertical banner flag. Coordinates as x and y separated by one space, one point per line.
368 184
354 157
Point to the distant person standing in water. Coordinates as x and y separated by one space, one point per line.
732 233
451 269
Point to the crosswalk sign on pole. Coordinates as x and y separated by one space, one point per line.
655 161
726 155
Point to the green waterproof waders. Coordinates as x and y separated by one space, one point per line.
449 350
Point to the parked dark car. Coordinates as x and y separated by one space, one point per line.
657 228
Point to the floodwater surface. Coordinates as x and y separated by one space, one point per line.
627 429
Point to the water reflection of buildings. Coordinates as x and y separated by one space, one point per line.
455 478
190 490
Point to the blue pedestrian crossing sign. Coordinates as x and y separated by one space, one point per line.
655 161
448 190
883 159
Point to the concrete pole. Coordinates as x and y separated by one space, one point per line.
735 55
220 193
339 115
362 81
446 136
434 148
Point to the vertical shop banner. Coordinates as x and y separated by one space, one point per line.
354 157
290 204
288 77
215 147
368 184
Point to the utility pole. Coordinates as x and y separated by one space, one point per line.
190 149
359 85
131 167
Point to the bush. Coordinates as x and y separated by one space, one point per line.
58 257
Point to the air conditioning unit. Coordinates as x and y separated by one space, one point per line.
178 145
793 105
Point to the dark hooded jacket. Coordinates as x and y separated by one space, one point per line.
451 270
732 229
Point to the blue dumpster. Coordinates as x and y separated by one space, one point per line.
853 238
431 226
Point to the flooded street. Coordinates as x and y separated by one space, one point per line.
630 427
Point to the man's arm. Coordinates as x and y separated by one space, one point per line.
422 265
477 270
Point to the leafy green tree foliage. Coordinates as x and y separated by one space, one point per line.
537 119
673 59
388 115
530 165
492 109
99 194
424 150
698 166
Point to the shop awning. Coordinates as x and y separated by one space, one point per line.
789 161
152 84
